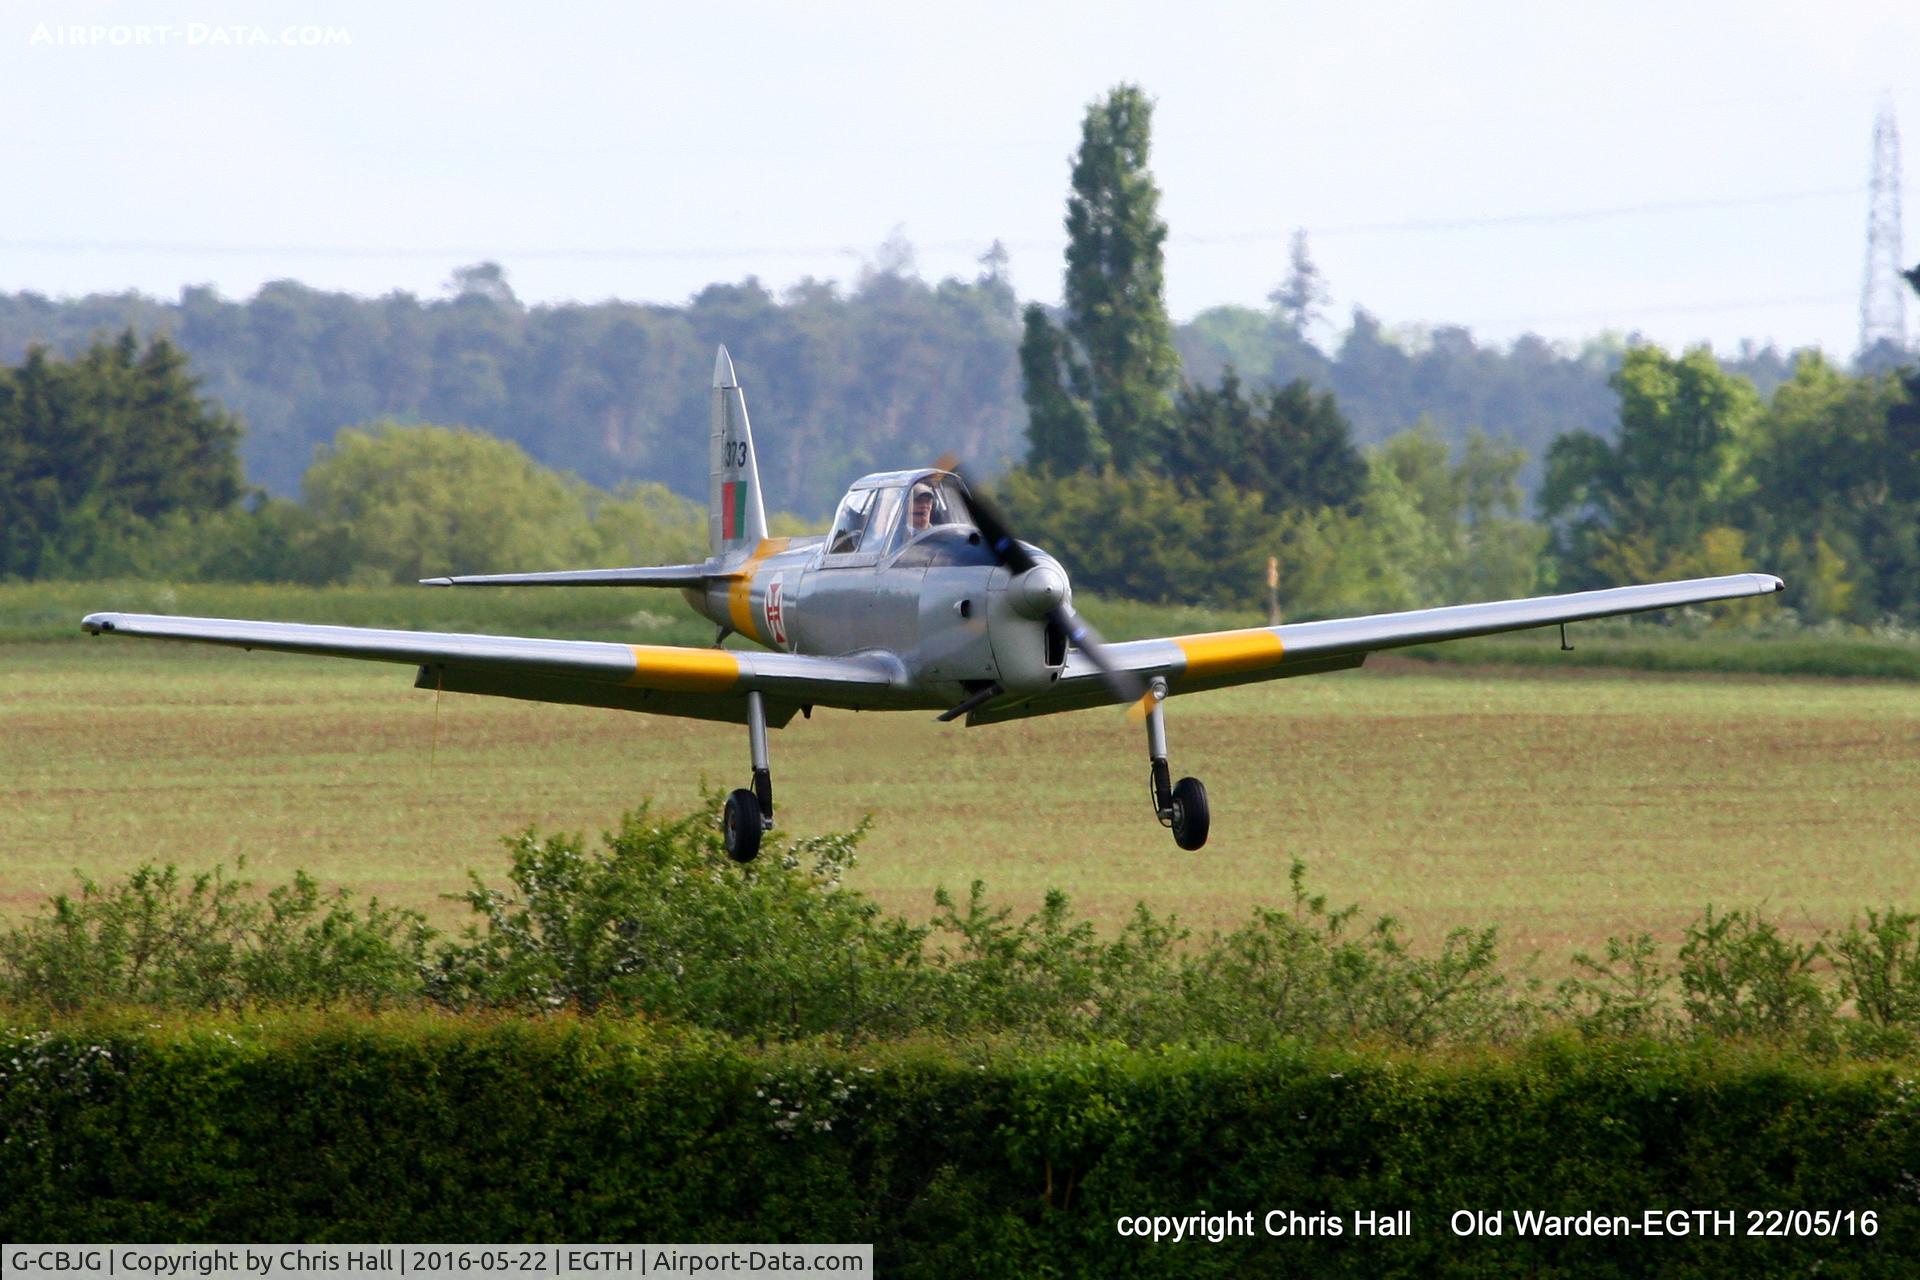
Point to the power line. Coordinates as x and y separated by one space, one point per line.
402 251
1589 215
714 253
1629 313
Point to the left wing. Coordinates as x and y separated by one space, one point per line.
1215 659
705 684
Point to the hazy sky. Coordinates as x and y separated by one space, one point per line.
1710 159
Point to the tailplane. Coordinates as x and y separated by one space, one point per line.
736 516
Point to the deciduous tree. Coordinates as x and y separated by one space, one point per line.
397 503
1626 510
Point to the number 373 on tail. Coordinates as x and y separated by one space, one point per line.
919 598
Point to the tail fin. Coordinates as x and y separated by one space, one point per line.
736 518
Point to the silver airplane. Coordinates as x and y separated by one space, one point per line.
918 598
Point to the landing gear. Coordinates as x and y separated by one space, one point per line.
1190 818
749 814
741 826
1180 805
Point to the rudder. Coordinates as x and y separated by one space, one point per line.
736 516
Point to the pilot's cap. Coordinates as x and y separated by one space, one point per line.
921 490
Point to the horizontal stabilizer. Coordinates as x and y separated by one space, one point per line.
665 575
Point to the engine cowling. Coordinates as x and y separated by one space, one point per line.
1017 607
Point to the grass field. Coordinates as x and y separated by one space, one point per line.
1561 806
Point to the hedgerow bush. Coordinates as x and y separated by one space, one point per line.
156 938
1306 972
656 921
660 921
1880 967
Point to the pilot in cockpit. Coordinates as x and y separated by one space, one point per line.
920 508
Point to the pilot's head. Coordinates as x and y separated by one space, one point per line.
920 507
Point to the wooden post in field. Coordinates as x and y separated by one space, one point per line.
1273 591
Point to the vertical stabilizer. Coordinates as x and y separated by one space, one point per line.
736 517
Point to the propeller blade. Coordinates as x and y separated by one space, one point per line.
999 539
1121 683
1007 550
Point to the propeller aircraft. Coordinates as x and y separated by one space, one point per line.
918 598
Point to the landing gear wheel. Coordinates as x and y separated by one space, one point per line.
741 827
1190 818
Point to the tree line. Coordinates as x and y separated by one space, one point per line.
840 383
1160 462
892 371
114 464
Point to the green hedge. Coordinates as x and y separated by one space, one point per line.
953 1159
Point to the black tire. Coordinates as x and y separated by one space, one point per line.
740 826
1190 817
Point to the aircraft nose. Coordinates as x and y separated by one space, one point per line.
1038 591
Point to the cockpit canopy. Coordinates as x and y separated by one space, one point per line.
884 512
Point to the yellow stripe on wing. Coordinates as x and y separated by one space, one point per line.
683 670
1225 653
740 590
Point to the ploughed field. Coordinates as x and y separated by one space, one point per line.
1561 804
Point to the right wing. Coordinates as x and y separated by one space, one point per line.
704 684
1216 659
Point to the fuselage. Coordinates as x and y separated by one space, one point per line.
932 597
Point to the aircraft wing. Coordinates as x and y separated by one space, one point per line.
705 684
1213 660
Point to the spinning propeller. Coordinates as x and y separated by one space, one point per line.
1040 591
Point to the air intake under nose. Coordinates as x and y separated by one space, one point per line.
1056 644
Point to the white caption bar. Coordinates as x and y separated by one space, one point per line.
428 1261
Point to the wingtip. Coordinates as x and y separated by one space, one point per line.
436 582
94 623
723 369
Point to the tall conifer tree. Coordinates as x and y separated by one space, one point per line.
1121 367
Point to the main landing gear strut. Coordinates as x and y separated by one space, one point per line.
749 813
1180 805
